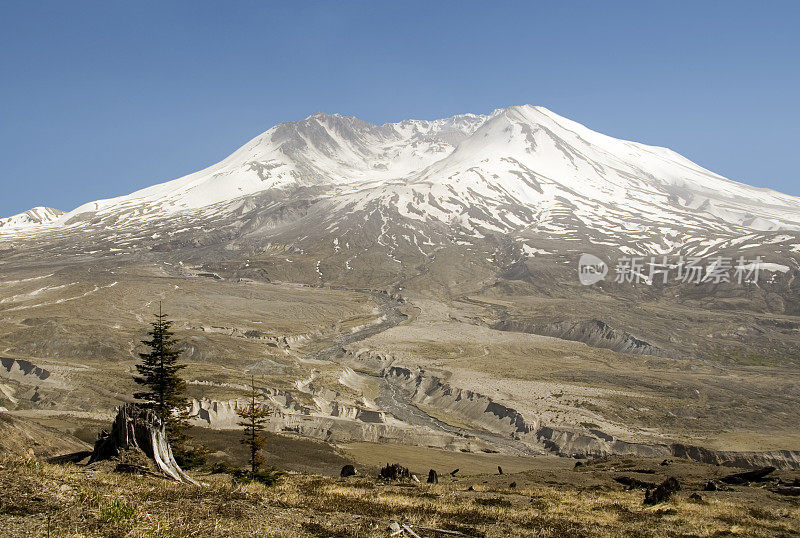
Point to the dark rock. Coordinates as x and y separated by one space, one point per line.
710 486
453 472
347 470
696 497
471 488
433 477
512 485
666 462
663 492
499 469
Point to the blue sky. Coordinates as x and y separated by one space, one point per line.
101 98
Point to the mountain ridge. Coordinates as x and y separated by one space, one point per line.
518 169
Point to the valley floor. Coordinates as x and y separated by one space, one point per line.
40 499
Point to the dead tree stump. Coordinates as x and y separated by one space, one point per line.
139 428
433 477
395 471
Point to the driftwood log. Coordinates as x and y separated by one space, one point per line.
136 427
756 475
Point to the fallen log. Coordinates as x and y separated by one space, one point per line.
786 490
138 428
756 475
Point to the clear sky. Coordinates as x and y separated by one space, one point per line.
98 99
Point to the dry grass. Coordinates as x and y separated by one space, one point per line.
40 499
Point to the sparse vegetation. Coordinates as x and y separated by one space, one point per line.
75 503
254 417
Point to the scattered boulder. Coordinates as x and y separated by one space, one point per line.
696 497
665 463
347 470
663 492
433 477
512 485
395 471
756 475
710 486
453 472
499 470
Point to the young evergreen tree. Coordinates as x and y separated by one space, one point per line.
254 418
158 373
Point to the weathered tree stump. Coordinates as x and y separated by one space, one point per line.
395 471
139 428
433 477
663 492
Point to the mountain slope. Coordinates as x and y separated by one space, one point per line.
31 218
522 170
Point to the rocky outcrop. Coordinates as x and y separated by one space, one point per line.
780 459
18 368
594 333
594 444
472 407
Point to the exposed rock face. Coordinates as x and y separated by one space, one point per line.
360 425
780 459
594 333
594 443
476 408
19 368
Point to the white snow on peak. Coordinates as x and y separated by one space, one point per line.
31 218
516 167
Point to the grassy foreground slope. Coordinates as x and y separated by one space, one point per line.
47 500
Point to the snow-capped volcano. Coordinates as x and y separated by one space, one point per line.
518 169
